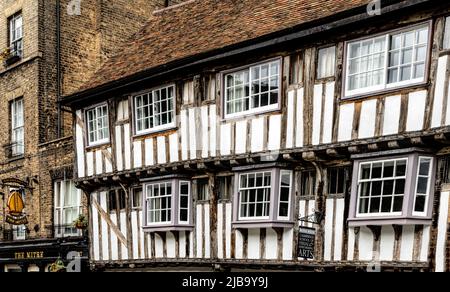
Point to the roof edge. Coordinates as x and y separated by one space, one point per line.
296 32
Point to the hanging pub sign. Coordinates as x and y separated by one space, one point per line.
306 243
15 214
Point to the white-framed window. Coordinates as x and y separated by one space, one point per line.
423 185
446 45
17 128
326 63
387 61
254 195
264 195
159 203
252 90
167 204
185 194
16 34
67 208
155 110
387 189
98 125
284 204
382 187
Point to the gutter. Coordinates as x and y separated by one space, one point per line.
308 29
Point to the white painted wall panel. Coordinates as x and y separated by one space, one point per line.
391 121
225 139
365 244
339 229
149 156
271 244
317 114
346 122
161 146
108 163
239 245
299 136
170 240
290 120
207 233
257 144
95 232
425 243
79 132
328 117
199 232
123 229
98 162
173 144
274 143
220 219
105 246
387 241
114 244
90 163
192 133
119 148
205 131
182 250
368 119
159 246
137 151
127 146
135 234
288 241
213 115
416 111
184 135
351 244
442 232
407 245
328 228
241 137
436 119
228 230
253 244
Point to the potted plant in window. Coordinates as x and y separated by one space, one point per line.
81 222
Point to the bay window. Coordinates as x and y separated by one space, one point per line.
98 125
252 90
155 110
167 204
387 61
392 190
264 197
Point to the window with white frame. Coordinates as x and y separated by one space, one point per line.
167 204
264 196
16 34
393 188
423 185
98 125
155 110
252 90
387 61
382 187
17 128
254 195
136 201
326 64
447 34
67 208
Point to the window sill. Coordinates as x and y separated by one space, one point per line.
246 115
99 146
262 224
153 133
167 228
16 158
379 92
383 221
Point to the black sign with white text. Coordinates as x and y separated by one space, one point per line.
306 243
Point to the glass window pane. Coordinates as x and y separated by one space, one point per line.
420 204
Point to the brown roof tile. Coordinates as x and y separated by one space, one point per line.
205 25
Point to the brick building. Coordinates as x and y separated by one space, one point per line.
49 49
258 134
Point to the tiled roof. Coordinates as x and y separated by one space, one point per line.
201 26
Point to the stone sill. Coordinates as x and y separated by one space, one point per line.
262 224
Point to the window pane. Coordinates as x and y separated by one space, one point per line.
326 62
255 196
420 204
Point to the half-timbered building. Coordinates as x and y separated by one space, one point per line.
292 135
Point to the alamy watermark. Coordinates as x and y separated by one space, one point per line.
374 8
74 7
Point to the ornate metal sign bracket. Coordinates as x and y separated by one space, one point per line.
315 218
